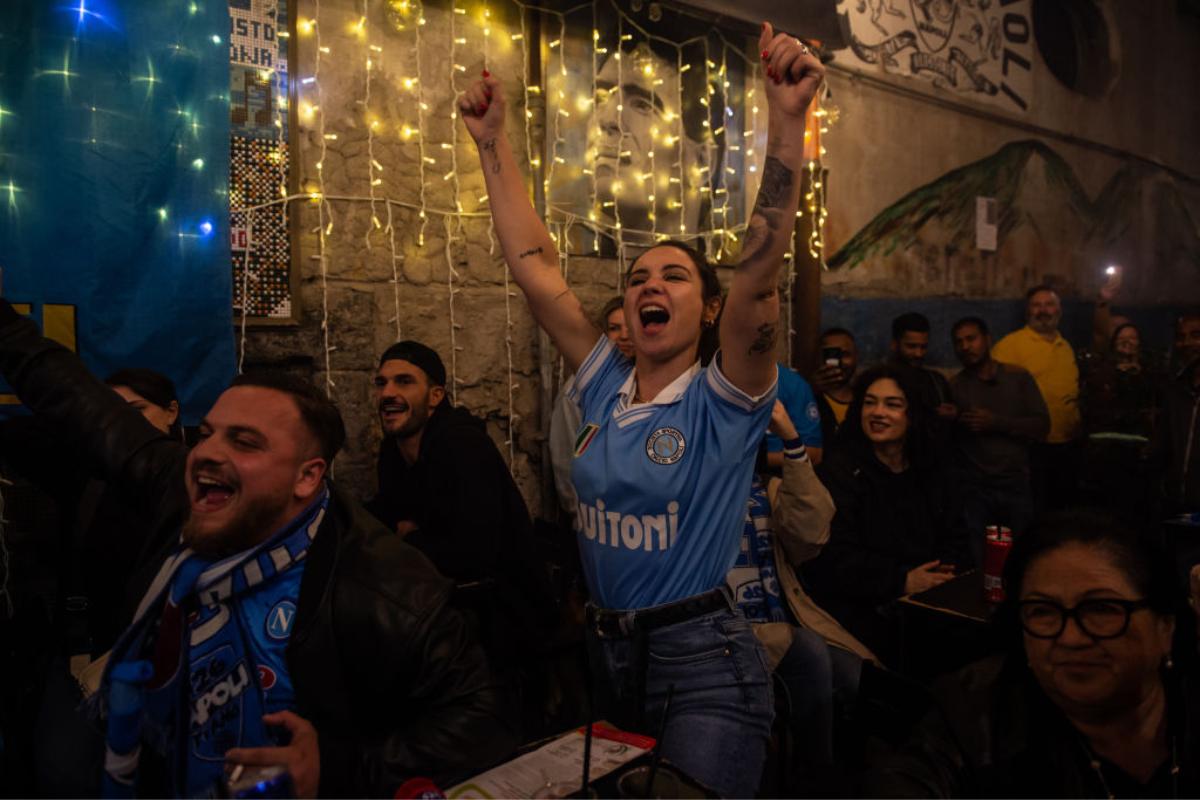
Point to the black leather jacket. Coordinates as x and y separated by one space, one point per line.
383 666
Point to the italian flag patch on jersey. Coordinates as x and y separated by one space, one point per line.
586 434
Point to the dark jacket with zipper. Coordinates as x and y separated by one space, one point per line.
381 663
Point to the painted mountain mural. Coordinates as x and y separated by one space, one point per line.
1048 230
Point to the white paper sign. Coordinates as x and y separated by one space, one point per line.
986 224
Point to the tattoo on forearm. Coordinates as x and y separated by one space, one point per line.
764 342
776 185
767 220
488 148
533 251
757 237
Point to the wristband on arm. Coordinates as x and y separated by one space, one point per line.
794 449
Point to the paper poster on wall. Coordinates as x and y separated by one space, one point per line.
985 223
979 49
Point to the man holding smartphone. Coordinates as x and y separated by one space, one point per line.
833 378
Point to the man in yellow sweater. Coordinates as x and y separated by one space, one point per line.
1041 349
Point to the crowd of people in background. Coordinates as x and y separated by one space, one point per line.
745 535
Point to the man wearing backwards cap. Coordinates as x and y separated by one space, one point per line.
444 486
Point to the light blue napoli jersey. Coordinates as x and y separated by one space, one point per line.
801 406
661 486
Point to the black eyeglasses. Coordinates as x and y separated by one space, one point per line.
1102 618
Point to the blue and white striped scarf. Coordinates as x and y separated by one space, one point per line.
182 680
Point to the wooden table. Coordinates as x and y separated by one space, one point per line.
946 627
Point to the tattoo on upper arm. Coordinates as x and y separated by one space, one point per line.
764 342
533 251
488 148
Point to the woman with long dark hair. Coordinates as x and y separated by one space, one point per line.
664 459
898 527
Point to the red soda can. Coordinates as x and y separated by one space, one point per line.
995 552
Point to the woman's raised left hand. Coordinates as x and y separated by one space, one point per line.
793 72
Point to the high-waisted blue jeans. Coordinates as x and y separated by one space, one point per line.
719 721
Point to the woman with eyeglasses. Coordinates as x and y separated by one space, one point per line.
1097 695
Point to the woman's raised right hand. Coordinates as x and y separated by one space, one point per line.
482 108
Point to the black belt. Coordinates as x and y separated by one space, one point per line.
609 624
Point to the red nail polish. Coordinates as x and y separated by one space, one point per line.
487 74
482 108
765 55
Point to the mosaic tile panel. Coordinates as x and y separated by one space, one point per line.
258 92
257 167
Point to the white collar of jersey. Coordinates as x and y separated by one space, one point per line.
673 391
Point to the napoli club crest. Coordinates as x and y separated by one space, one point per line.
279 620
665 446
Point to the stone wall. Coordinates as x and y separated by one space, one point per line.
886 144
356 286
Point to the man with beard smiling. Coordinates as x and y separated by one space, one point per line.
444 488
1042 350
283 626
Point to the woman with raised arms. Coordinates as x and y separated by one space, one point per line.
664 459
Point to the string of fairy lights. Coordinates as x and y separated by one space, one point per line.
697 192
